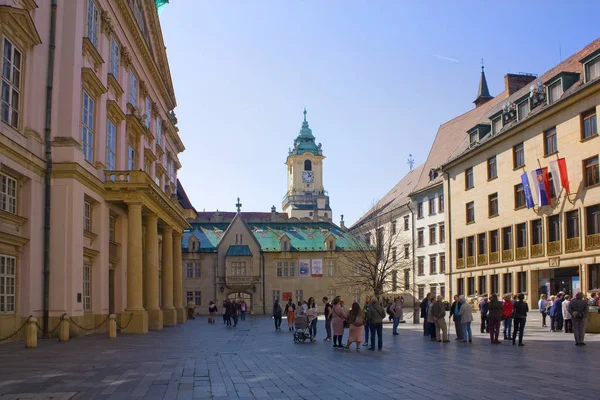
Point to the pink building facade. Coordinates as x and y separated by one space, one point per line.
115 222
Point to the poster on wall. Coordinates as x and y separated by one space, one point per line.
303 268
286 296
576 285
316 267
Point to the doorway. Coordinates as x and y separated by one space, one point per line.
247 297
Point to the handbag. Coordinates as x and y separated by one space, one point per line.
346 324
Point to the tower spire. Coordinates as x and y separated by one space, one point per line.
304 114
483 94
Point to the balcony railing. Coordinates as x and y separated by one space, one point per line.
494 257
572 244
554 248
537 250
482 259
239 280
521 253
471 261
592 241
460 263
507 255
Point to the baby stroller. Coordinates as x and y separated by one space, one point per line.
301 334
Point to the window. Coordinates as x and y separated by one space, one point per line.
471 246
432 206
471 286
536 231
276 296
523 109
572 224
550 141
519 196
189 297
189 270
522 282
460 286
443 290
111 145
482 284
518 156
394 255
421 290
8 194
469 183
442 263
470 208
238 268
593 220
172 171
420 238
473 138
307 165
442 233
159 131
593 278
592 69
111 229
299 296
554 228
11 84
406 251
507 238
393 228
87 128
148 111
421 266
592 172
130 158
87 216
287 268
132 89
460 249
406 223
508 287
481 244
494 243
420 209
330 264
496 125
555 90
522 235
495 284
432 235
589 122
114 58
8 276
197 270
87 287
493 205
441 203
492 168
432 265
197 298
433 290
92 22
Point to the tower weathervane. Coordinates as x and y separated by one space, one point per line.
482 64
410 162
239 205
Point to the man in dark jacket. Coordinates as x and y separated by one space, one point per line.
579 308
424 307
483 311
454 310
375 316
556 312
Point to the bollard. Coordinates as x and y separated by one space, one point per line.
31 333
63 331
112 326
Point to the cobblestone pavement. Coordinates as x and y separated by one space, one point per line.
197 360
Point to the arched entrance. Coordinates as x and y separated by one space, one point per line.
247 297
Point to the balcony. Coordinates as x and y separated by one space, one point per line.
554 248
537 250
507 255
239 280
482 259
494 257
521 253
592 241
470 261
572 244
460 263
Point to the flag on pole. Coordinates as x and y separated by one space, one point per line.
527 190
543 186
564 177
555 177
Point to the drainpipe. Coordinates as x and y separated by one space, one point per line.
414 286
48 175
262 262
449 214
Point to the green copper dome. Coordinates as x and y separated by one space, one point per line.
305 142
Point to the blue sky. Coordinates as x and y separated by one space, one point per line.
370 73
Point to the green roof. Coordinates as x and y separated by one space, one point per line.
305 142
304 236
238 250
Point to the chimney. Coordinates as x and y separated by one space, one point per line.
515 82
274 214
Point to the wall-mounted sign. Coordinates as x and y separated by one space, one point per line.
316 267
286 296
304 268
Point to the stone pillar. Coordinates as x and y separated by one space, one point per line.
501 284
155 316
515 282
112 326
139 323
169 316
533 289
63 331
488 283
178 278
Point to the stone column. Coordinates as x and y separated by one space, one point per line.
169 316
501 284
533 288
155 317
178 278
139 321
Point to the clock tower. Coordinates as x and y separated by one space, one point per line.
306 197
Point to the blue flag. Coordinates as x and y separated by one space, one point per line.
527 190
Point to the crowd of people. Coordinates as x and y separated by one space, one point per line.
233 311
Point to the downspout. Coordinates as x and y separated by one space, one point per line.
48 175
416 315
449 230
262 262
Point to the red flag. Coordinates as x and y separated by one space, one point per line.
564 177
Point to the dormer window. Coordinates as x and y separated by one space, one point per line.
433 174
473 138
478 133
523 109
592 68
555 90
496 125
509 112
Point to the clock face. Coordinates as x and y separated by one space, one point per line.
308 176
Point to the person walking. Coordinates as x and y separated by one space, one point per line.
542 303
212 311
375 316
356 322
243 310
466 317
235 312
327 313
454 310
424 307
338 318
483 312
507 309
558 315
277 315
567 315
579 308
494 316
290 312
439 316
520 311
396 309
225 314
313 315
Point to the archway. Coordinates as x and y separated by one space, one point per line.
247 297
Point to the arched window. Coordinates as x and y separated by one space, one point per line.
307 165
